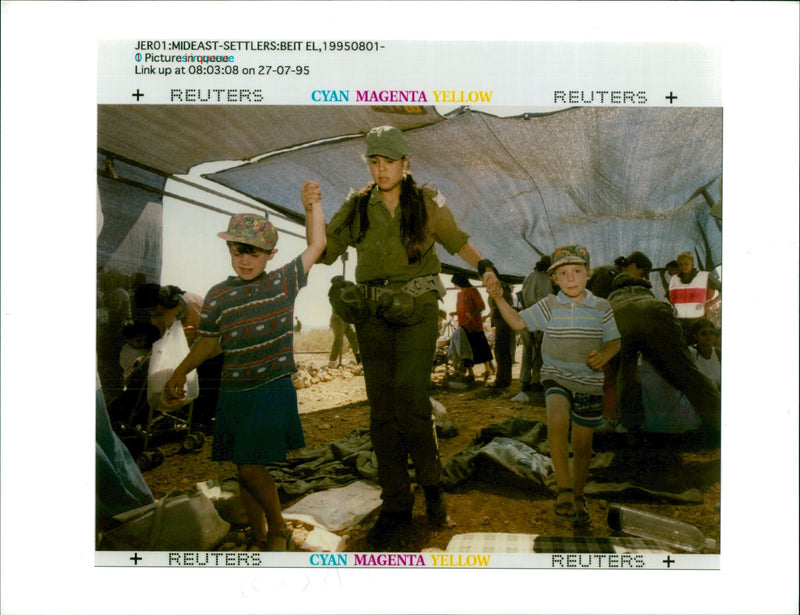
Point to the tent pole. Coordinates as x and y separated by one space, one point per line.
112 156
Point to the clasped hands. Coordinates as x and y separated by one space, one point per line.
311 194
492 284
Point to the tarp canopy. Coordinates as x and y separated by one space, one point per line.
174 138
614 179
130 200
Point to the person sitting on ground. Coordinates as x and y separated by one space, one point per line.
469 309
452 346
601 284
444 337
445 332
580 336
250 316
648 326
139 339
536 287
440 355
693 292
706 355
342 329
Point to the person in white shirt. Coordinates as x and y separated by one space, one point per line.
706 355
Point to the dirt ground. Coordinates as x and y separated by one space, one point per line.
330 410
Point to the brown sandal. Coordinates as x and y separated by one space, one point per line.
582 516
564 509
258 545
281 542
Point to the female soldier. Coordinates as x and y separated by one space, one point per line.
393 224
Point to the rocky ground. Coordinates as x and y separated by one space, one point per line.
333 403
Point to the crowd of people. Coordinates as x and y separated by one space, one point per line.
583 331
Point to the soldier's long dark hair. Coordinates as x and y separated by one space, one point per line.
413 216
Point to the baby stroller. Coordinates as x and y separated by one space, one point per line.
453 352
143 427
441 357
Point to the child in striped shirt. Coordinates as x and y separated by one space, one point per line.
250 317
580 336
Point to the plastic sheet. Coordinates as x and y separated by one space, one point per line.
336 509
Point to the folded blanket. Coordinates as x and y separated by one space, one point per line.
515 452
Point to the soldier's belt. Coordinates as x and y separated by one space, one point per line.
374 289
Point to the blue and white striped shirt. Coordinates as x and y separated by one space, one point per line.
571 331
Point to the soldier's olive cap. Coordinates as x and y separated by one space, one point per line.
387 141
569 254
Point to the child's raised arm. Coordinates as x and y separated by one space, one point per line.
509 314
315 225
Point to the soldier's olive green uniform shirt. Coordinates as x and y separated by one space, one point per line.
381 254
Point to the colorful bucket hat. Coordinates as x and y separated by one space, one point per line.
572 253
387 141
252 230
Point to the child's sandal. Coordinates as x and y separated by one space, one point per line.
582 516
564 509
258 545
281 542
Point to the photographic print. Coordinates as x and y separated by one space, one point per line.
419 295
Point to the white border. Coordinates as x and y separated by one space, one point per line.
577 562
48 198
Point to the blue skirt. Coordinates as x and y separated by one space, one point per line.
257 426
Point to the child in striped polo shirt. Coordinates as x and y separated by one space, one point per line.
250 316
580 336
